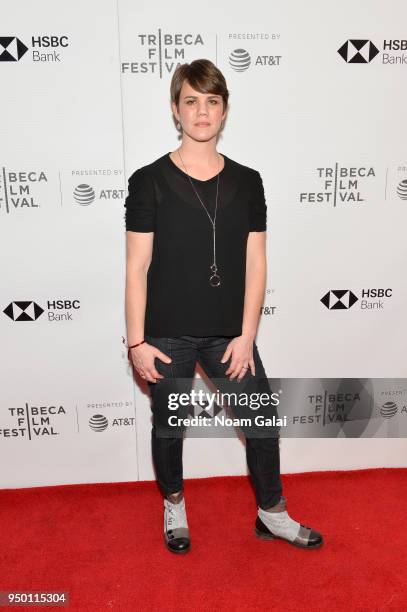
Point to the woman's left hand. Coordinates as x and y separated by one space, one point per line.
241 350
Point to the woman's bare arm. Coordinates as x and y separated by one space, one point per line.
256 273
139 247
240 349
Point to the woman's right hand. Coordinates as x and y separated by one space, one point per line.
143 360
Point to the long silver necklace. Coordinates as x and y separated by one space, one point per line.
214 278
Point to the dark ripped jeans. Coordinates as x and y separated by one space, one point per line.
262 453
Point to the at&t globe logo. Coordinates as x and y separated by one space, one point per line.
240 60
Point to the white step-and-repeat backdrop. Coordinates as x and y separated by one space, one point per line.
318 93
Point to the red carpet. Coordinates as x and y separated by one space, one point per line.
103 543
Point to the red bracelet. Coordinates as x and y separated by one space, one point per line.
132 346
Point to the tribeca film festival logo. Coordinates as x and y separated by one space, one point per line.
338 185
23 189
161 52
363 51
344 299
32 422
330 408
57 310
12 49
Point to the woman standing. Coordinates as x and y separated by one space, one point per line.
195 281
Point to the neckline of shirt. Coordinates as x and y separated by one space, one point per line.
174 165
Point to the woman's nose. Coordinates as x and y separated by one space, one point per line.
202 110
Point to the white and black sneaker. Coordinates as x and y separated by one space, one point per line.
176 532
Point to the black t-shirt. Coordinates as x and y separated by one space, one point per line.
161 199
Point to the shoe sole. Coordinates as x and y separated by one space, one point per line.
266 536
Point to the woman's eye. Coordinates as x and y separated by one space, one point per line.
192 101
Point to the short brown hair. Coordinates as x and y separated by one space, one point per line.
203 76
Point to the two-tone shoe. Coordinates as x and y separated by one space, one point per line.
278 524
176 532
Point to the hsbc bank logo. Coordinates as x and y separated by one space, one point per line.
339 299
363 51
370 299
12 49
28 310
358 51
23 311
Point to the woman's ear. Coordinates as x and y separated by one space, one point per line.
225 113
174 110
